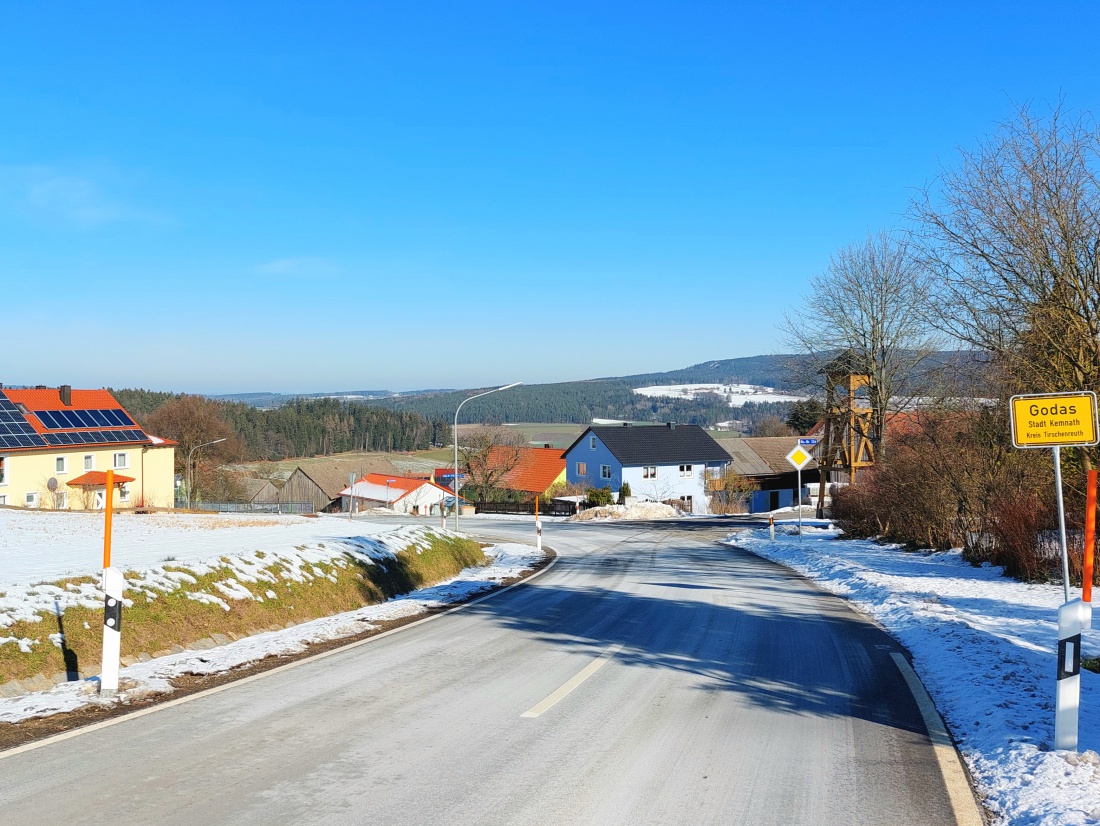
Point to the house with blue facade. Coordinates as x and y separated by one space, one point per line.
660 462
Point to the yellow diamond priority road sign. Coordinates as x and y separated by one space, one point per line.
799 458
1054 420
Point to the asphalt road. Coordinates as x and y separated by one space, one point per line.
650 676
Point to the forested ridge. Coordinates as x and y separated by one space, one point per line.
303 427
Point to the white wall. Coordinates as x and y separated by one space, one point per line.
669 484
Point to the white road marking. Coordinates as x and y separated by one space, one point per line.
114 721
954 776
573 683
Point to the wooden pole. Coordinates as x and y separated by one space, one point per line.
107 515
1090 538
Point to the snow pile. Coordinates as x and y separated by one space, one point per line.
639 510
154 677
985 647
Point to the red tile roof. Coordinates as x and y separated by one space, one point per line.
97 479
535 471
51 399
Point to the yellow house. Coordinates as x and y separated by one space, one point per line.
56 445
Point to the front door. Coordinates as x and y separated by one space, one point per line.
99 500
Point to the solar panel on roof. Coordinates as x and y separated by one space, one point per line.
18 433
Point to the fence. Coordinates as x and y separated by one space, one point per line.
250 507
527 508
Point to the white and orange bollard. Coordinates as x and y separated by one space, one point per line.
113 585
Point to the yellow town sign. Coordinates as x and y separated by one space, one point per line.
1054 420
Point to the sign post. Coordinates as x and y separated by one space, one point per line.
1058 420
800 457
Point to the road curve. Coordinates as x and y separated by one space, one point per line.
651 676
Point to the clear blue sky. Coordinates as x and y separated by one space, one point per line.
324 196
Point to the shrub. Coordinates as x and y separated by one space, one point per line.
599 496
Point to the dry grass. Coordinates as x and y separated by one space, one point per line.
158 622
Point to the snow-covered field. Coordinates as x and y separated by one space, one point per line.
735 395
163 552
985 647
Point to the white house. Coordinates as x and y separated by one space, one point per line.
659 462
418 497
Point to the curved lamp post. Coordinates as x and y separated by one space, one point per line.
471 398
191 453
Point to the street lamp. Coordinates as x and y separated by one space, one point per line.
388 492
191 453
471 398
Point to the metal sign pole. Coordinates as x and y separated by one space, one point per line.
798 500
1061 518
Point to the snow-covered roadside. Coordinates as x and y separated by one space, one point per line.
984 645
153 677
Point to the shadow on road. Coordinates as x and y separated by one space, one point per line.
731 620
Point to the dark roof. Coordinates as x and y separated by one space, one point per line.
657 444
774 449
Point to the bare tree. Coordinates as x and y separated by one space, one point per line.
867 304
1013 237
488 455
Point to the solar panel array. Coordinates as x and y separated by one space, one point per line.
94 437
69 419
14 429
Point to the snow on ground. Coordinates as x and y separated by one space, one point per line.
736 395
640 510
985 647
165 552
154 677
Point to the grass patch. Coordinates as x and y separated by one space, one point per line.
159 620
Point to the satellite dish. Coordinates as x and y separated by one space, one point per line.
51 485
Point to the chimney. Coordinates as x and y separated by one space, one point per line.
671 425
66 391
546 444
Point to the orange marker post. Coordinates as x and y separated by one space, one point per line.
107 514
1090 538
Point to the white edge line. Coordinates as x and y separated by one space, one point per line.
114 721
954 776
572 683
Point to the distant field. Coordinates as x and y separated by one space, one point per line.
536 433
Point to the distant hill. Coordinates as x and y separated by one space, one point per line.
611 397
269 401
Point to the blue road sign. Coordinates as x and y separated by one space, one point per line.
807 441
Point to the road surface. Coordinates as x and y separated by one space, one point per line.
651 676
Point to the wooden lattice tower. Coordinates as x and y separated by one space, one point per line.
846 446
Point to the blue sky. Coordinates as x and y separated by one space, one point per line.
325 196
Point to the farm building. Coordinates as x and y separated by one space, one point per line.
402 494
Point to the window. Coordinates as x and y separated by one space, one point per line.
605 471
31 500
592 442
61 500
582 469
3 477
121 460
60 464
685 470
124 492
89 462
649 472
3 500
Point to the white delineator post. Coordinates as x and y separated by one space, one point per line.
113 583
538 527
771 527
1073 618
